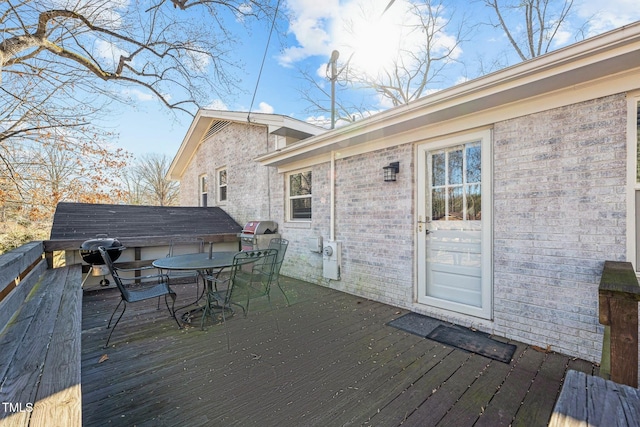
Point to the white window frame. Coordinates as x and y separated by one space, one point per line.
203 189
290 198
220 186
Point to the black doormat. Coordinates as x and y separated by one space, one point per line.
465 339
473 341
416 324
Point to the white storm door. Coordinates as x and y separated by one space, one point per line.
454 224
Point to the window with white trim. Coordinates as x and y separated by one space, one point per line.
222 185
299 196
203 190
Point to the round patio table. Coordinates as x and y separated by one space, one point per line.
200 262
197 261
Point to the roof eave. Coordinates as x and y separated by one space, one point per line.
276 124
604 55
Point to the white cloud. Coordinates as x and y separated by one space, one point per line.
106 14
563 36
243 10
310 25
321 121
139 95
263 107
217 104
359 27
196 59
605 16
109 51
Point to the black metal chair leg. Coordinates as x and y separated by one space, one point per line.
271 309
114 312
117 321
172 309
285 295
226 331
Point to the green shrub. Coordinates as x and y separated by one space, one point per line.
18 236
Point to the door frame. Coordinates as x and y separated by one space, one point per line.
485 136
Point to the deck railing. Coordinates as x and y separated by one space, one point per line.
619 294
140 251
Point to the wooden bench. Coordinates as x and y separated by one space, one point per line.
586 400
40 340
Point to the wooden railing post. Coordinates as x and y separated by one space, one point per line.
618 298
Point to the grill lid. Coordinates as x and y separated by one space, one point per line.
89 249
260 227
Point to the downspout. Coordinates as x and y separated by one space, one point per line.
268 182
332 202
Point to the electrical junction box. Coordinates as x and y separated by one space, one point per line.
315 244
331 260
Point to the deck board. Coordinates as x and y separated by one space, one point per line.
544 391
508 400
332 362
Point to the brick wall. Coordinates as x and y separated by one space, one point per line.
300 262
374 222
234 147
559 212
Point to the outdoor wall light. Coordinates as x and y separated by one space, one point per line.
390 171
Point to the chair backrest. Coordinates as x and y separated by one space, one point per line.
114 273
280 245
253 269
186 245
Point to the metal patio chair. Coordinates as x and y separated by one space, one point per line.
251 274
281 246
136 289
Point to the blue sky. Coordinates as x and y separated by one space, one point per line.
314 30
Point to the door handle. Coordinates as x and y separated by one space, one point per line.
421 223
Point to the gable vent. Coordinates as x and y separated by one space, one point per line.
215 127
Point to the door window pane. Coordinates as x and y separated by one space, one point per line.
455 204
438 169
474 203
455 167
438 204
474 161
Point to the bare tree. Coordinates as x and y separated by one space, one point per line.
530 25
158 48
51 173
135 192
317 95
416 69
61 60
151 170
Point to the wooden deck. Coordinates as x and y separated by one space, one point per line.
333 362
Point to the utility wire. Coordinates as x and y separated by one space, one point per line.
388 6
266 49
